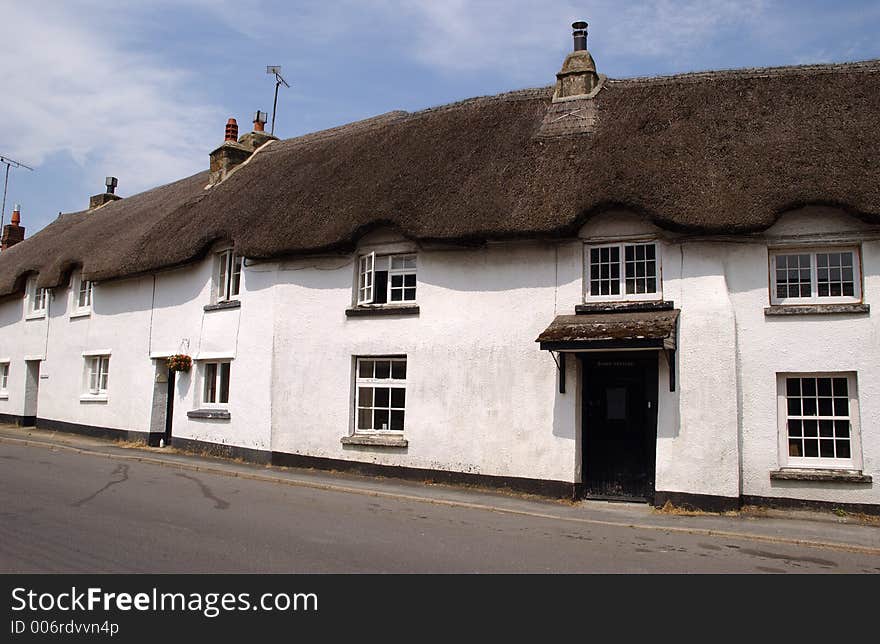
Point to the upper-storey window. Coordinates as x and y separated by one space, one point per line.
819 276
4 377
82 297
37 299
623 272
384 279
228 275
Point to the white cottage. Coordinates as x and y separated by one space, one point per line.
653 288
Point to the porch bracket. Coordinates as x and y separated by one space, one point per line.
560 366
670 360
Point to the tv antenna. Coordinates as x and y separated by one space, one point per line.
10 163
279 81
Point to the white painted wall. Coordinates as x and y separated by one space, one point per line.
119 325
771 345
481 396
13 349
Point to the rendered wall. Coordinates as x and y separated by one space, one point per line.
481 396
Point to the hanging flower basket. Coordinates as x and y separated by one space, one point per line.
179 362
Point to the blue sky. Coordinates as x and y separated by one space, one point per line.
142 89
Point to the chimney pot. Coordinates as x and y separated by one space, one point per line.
580 35
13 232
231 130
259 121
111 183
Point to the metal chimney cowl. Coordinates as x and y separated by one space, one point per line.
96 201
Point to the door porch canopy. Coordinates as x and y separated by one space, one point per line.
612 331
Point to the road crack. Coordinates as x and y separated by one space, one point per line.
121 470
219 504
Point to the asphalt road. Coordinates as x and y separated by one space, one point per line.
76 513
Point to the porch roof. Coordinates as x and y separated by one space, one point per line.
612 330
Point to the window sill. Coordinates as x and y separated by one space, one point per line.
210 414
382 309
4 396
35 316
100 398
624 306
219 306
81 314
827 476
816 309
375 440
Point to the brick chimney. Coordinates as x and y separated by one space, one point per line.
13 232
235 151
107 196
578 76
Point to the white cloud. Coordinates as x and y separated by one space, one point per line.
75 86
461 35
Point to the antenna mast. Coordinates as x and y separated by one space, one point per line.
10 163
279 81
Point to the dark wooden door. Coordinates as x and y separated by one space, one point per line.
169 407
619 425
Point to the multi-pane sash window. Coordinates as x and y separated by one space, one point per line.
381 394
386 278
228 276
820 419
216 389
626 271
4 376
99 370
366 271
825 276
37 298
84 295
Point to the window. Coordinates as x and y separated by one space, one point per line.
38 299
216 384
386 279
623 271
98 374
4 377
228 275
823 276
82 297
820 420
381 395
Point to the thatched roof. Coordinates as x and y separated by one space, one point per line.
709 152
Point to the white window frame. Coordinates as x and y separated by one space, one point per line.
217 365
228 276
34 296
97 375
623 296
367 266
77 308
366 278
4 379
373 383
814 297
854 462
